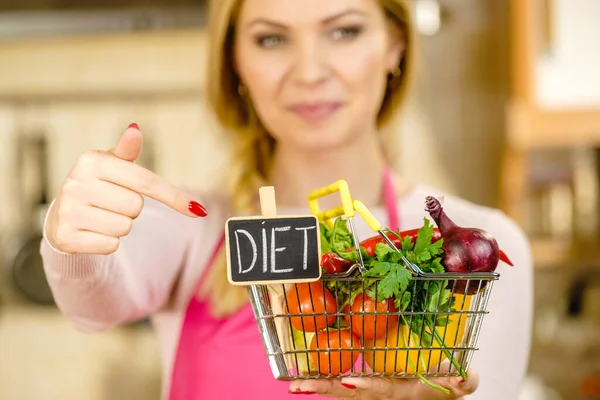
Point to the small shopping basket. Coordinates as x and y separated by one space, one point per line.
324 329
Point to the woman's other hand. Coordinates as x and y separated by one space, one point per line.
387 388
102 196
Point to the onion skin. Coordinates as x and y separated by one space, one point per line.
465 249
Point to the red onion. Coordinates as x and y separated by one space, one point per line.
465 249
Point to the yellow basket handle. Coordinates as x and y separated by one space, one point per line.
346 208
364 212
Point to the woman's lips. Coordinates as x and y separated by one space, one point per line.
315 112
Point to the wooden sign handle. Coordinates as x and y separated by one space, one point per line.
268 207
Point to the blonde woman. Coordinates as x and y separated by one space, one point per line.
305 87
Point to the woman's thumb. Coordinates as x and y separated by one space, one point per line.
130 144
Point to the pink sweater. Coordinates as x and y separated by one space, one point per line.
99 292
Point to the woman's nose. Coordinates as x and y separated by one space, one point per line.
311 67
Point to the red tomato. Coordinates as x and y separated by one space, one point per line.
333 361
310 298
375 327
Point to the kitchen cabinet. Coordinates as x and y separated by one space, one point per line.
553 127
116 65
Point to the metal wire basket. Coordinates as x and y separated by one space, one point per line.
413 341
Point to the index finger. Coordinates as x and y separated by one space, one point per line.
143 181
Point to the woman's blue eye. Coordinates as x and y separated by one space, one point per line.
347 32
269 41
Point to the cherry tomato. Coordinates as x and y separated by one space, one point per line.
374 326
310 298
333 361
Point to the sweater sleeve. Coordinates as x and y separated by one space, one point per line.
505 337
98 292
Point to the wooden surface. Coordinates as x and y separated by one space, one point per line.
522 37
144 63
531 128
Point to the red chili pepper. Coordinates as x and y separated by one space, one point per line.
504 258
335 264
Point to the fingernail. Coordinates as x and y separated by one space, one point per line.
347 385
197 209
461 382
133 125
300 392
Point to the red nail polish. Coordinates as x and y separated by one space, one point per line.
461 382
197 209
133 125
301 392
347 385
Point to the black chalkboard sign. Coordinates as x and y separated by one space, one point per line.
266 250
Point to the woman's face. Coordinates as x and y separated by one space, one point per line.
316 70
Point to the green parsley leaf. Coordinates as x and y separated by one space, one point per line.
380 268
424 235
395 281
407 244
383 252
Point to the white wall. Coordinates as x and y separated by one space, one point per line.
569 76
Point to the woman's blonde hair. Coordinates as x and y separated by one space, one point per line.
254 147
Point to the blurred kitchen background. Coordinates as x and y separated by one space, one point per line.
510 90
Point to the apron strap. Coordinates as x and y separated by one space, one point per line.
209 263
216 249
389 198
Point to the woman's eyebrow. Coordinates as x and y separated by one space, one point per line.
325 21
266 21
344 14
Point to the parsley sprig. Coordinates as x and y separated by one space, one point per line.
421 296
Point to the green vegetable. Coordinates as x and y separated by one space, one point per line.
326 236
394 279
